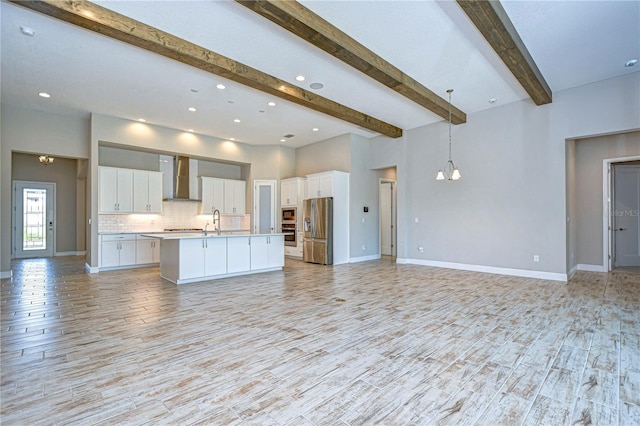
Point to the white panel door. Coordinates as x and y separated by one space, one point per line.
626 216
34 219
264 205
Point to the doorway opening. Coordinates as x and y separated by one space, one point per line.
264 206
34 205
388 233
621 225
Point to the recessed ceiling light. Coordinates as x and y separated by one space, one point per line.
44 95
194 90
142 120
316 86
492 100
271 104
192 109
631 63
232 139
190 130
221 86
28 31
237 120
300 78
283 140
315 129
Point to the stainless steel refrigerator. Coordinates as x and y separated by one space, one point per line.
317 223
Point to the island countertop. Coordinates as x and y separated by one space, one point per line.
210 234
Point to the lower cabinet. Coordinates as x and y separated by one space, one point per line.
147 250
267 251
202 257
117 250
238 254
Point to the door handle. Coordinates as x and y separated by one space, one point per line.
620 229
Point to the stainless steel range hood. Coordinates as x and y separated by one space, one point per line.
181 177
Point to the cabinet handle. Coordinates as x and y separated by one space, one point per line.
206 244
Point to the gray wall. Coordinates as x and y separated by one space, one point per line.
330 154
511 202
589 154
35 132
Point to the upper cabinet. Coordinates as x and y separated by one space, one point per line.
129 191
211 194
225 195
323 184
115 190
234 196
291 191
147 192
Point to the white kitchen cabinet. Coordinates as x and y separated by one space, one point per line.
202 257
212 194
267 251
147 250
117 250
320 185
147 191
115 190
234 196
291 191
238 254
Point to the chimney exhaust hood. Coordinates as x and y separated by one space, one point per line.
181 175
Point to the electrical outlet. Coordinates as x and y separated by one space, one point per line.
536 258
364 248
421 249
416 220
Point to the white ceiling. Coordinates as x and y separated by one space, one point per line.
573 43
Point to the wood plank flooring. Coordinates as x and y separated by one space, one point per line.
359 344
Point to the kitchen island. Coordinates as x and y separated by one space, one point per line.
191 257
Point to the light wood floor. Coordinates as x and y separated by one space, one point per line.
359 344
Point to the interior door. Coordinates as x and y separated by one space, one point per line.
626 215
264 204
34 219
387 219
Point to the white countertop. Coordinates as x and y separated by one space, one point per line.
166 232
186 235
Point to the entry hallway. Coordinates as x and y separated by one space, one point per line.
358 344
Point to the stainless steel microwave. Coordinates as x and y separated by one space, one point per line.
288 214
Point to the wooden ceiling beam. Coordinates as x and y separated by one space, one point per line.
492 21
111 24
294 17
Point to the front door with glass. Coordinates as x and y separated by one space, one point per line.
34 207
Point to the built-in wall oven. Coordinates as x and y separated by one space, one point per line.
289 227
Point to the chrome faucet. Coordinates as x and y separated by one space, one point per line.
204 231
216 219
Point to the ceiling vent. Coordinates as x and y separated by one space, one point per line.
289 136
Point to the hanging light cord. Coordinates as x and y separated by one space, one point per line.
449 92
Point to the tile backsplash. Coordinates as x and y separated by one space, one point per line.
174 215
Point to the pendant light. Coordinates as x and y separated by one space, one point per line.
45 159
450 171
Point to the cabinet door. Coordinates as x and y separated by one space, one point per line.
215 256
276 251
218 195
313 187
191 264
326 186
125 190
259 252
155 192
144 251
140 191
107 190
127 253
234 196
288 193
156 251
284 193
206 195
238 254
109 254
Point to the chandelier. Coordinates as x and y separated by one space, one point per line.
45 159
450 171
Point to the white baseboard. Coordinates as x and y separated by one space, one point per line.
91 269
364 258
488 269
402 260
590 268
70 253
5 274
